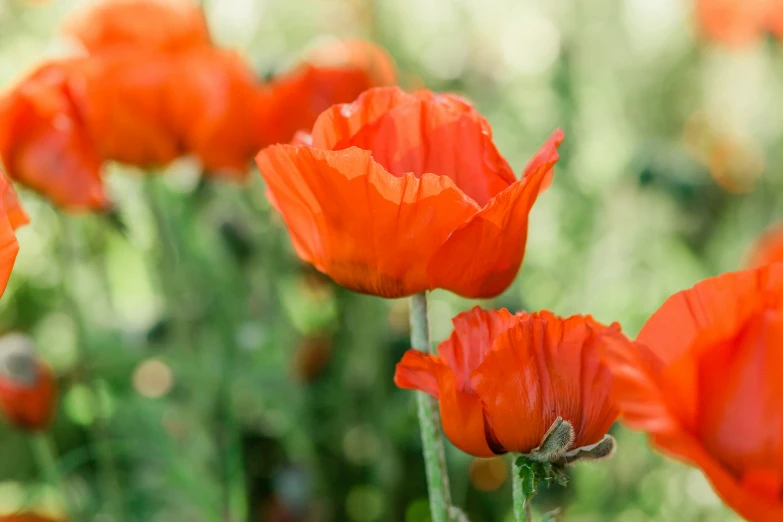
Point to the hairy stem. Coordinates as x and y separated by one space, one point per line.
429 422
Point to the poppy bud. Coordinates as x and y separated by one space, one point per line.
27 387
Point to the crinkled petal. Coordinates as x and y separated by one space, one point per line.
542 368
368 230
473 335
460 411
420 133
482 258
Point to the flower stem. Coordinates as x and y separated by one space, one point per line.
522 509
45 457
429 421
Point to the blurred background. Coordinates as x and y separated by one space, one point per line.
670 168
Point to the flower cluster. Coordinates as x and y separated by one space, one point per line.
151 86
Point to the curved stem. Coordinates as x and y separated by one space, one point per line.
429 422
46 459
522 508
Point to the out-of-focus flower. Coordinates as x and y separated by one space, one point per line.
44 142
739 22
216 112
488 474
12 216
527 383
27 386
768 248
735 162
311 357
158 25
401 193
335 72
704 383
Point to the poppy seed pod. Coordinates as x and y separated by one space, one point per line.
27 386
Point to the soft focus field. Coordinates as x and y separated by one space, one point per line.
670 168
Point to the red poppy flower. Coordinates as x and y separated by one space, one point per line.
44 143
768 248
502 381
705 384
27 386
12 216
159 25
123 100
401 193
336 72
216 111
739 22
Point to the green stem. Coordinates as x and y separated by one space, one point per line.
99 430
45 457
429 421
522 508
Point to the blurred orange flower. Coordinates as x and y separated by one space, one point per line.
335 72
503 381
158 25
705 384
740 22
768 248
12 216
45 144
401 193
27 386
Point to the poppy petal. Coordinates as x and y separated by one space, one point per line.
542 368
461 413
213 108
713 310
11 216
483 256
126 109
45 145
472 338
383 245
420 133
742 494
161 25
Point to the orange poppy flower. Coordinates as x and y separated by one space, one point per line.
768 248
159 25
336 72
739 22
503 381
12 216
401 193
216 111
44 143
705 384
123 101
27 386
